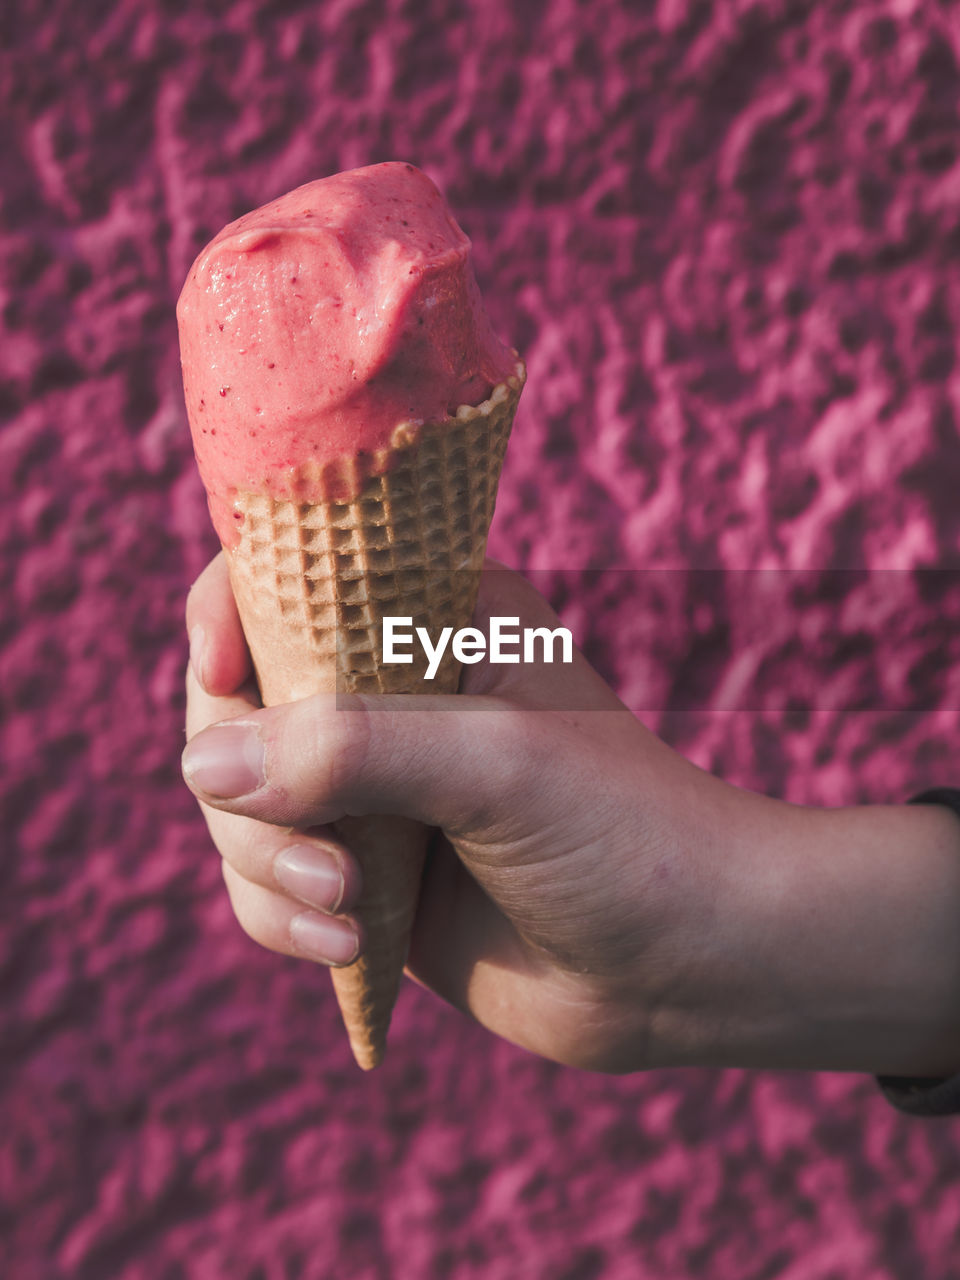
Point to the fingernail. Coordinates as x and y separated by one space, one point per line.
198 642
311 874
225 761
324 938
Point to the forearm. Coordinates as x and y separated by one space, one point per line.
835 942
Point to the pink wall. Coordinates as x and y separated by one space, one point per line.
725 238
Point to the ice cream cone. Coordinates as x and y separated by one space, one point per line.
313 582
323 338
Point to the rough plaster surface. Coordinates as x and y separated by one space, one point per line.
724 236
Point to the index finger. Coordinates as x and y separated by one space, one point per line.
218 649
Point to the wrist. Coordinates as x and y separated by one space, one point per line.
835 943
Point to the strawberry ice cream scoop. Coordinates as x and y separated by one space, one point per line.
330 324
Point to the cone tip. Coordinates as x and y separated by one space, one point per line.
366 1055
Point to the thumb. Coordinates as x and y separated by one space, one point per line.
452 761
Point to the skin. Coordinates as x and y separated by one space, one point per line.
590 894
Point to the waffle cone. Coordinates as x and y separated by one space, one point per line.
313 581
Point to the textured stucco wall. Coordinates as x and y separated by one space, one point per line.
725 238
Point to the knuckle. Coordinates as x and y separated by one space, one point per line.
517 750
339 742
250 906
248 848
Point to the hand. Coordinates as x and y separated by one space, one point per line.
558 904
590 895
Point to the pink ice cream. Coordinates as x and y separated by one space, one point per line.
313 327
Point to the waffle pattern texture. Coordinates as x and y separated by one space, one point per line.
313 582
